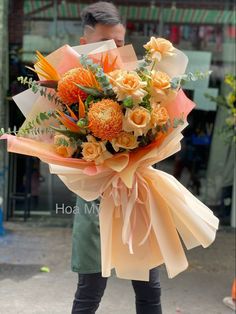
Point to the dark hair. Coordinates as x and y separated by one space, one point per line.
100 13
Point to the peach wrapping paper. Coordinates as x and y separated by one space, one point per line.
143 211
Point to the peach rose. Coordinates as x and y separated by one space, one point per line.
137 120
159 86
124 140
128 84
159 47
64 146
94 151
159 116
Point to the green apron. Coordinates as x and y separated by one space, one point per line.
86 255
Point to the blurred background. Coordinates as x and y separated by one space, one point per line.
205 30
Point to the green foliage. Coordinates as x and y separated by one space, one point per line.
83 123
70 134
33 127
88 90
90 99
179 81
8 131
142 67
128 102
146 103
178 121
35 87
144 140
100 75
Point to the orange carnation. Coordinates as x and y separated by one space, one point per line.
68 92
105 119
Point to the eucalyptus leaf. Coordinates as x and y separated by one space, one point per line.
89 90
69 133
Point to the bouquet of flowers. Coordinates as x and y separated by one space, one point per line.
101 120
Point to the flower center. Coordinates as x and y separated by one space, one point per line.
130 82
138 118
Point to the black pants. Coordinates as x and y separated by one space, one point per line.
91 289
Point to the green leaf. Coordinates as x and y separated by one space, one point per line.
146 103
176 82
38 120
43 116
82 123
89 99
69 133
89 90
128 102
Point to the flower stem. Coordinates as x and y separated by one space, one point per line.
154 63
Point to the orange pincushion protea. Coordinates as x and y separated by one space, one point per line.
105 119
67 90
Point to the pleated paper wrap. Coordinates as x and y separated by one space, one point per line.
143 211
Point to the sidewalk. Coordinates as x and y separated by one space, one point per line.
25 290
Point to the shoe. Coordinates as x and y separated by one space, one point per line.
228 301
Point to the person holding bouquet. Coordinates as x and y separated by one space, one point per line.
101 21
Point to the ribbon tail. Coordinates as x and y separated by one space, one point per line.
166 234
126 230
106 222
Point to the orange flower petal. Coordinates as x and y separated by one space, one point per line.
105 119
47 67
81 108
71 113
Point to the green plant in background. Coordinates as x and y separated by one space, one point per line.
228 101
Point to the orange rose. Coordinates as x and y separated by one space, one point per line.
124 140
159 86
64 146
159 116
160 80
137 120
128 84
94 151
159 47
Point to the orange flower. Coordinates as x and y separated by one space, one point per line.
137 120
106 65
64 146
68 92
44 68
105 119
159 86
159 116
159 47
128 84
94 151
124 140
160 80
